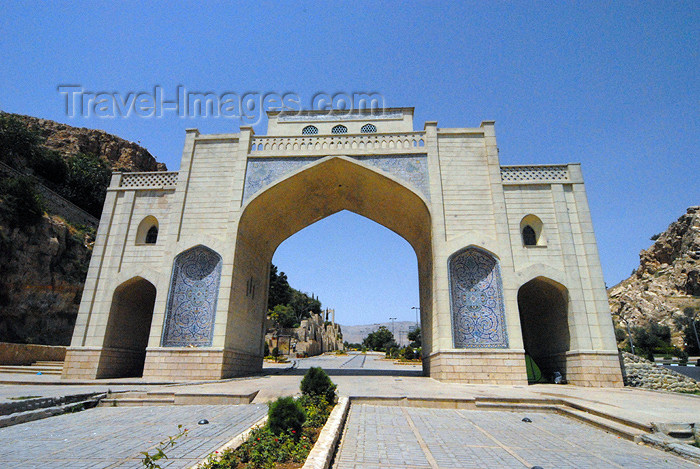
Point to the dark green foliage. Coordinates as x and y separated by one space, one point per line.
50 166
409 353
280 293
317 383
380 340
18 144
286 416
655 237
689 324
20 205
316 408
415 337
283 316
87 181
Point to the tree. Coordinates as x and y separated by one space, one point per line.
20 205
415 337
280 293
284 316
380 340
303 305
691 330
87 181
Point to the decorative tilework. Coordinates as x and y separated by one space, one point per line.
370 114
262 172
476 301
194 288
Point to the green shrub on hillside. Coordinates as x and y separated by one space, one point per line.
20 204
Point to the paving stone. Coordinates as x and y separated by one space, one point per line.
113 437
382 437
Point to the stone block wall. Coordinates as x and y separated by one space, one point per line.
504 367
26 354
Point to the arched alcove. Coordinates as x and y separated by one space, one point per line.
476 300
128 328
194 290
531 231
147 231
544 306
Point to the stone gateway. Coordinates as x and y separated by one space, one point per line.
507 259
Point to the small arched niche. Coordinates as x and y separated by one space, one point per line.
531 232
147 232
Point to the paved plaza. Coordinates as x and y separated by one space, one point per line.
113 437
378 437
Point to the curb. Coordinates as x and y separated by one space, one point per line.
38 414
322 452
234 443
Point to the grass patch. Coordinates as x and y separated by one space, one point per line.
22 398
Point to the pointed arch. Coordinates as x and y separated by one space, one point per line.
194 290
476 300
128 329
147 231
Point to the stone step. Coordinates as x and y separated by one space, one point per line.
45 370
625 431
135 402
48 363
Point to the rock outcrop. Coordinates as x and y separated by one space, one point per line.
641 373
667 280
43 266
42 272
121 154
314 336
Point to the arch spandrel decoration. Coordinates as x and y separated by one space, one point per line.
194 288
476 301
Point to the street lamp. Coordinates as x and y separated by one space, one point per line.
392 326
417 311
629 334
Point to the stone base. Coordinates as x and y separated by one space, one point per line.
594 369
198 364
477 366
81 363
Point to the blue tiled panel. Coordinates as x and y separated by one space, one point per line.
476 301
194 288
262 172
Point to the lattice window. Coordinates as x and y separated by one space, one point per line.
154 179
368 129
534 173
339 129
309 130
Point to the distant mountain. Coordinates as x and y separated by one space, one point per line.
355 334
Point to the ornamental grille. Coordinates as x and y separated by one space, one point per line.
339 129
368 129
309 130
534 173
154 179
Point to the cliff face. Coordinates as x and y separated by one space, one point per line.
42 271
43 265
121 154
667 280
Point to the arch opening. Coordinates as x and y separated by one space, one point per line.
316 192
543 305
531 231
128 329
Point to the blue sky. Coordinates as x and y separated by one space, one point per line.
612 85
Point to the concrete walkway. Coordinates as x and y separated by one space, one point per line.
378 437
113 437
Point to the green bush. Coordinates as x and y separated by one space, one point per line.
20 204
317 383
285 415
317 410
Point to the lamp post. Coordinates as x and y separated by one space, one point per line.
629 334
392 326
417 311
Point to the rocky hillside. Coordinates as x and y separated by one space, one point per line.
121 154
43 257
667 281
